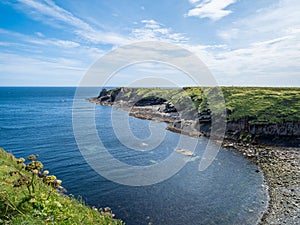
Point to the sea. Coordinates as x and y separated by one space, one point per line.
38 120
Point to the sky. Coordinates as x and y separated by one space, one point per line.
242 42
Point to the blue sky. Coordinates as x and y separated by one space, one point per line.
242 42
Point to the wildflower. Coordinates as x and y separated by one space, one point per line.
58 204
49 179
107 209
34 165
58 182
46 172
20 160
55 183
32 157
39 165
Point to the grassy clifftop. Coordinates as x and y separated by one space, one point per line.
267 115
263 105
28 195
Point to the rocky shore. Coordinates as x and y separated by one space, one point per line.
281 168
280 164
183 117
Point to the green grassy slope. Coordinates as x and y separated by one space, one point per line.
263 105
267 105
27 199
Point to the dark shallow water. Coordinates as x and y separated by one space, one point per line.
39 120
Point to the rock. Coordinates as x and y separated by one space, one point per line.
184 152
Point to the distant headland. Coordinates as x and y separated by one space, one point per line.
254 114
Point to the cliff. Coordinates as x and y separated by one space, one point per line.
257 115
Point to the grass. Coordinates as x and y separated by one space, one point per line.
28 195
261 105
265 105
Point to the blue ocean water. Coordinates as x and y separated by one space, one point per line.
39 121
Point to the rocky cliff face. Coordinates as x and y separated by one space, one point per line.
281 129
188 120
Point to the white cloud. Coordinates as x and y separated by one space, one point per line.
273 62
54 42
12 33
62 55
39 34
42 40
46 10
229 34
29 70
49 9
262 48
277 20
66 44
6 44
212 9
268 63
152 30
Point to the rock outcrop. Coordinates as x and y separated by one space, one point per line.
188 120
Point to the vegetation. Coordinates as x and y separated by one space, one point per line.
261 105
28 195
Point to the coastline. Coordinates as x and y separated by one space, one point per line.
280 164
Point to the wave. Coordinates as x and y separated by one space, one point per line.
21 127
